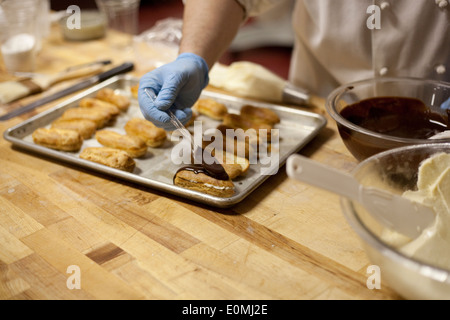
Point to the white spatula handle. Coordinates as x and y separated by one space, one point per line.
318 175
410 218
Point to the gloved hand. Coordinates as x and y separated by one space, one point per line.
177 86
446 104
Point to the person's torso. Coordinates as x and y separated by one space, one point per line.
340 41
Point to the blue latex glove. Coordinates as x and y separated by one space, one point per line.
177 86
446 104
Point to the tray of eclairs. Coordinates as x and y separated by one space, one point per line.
102 129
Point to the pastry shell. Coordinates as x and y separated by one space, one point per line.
211 108
134 91
100 117
112 109
260 115
235 121
58 139
110 157
153 136
86 128
234 166
203 183
108 95
132 145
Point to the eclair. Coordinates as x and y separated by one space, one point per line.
234 166
112 109
134 91
236 121
239 143
235 146
100 117
86 128
260 115
193 178
58 139
152 135
239 165
108 95
132 145
110 157
210 108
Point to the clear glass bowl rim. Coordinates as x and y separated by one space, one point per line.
338 92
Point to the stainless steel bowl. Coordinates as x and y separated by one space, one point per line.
396 170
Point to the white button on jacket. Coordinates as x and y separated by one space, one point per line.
384 5
384 71
337 41
441 69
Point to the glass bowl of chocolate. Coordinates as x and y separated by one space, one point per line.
415 266
379 114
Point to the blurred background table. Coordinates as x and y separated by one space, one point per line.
287 240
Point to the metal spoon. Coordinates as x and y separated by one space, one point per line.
394 211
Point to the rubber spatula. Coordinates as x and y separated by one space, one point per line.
393 211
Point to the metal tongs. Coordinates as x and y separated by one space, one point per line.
176 123
215 169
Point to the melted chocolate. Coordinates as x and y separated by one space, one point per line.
395 116
211 170
214 170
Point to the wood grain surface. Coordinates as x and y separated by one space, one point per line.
287 240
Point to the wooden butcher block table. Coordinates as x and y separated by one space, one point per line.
286 240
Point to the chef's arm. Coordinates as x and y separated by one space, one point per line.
209 26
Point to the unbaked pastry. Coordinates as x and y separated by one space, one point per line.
132 145
153 136
58 139
110 157
108 95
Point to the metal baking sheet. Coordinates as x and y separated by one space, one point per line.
156 169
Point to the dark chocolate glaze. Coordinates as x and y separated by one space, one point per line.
210 170
396 116
214 170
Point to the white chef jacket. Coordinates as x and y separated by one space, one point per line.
335 44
